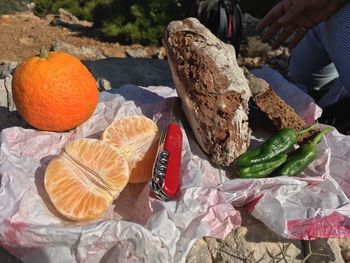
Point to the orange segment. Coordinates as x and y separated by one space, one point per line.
109 168
85 178
136 137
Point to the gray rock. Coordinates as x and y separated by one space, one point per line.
344 244
323 251
6 99
56 20
199 253
91 53
82 52
160 53
142 71
253 242
67 16
136 52
7 68
8 88
3 94
8 116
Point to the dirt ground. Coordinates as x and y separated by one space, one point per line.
23 34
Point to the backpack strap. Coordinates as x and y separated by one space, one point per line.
222 17
230 24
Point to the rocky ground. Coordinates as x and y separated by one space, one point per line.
23 34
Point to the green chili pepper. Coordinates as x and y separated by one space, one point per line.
281 142
302 157
261 170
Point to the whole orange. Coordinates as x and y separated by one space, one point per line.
54 91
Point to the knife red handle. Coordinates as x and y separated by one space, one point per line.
173 145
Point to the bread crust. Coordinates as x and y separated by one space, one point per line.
212 87
276 109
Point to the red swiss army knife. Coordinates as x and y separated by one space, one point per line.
165 181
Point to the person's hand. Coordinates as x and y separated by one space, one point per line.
295 17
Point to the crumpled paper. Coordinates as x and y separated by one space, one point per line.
140 228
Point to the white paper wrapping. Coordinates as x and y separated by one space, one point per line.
138 228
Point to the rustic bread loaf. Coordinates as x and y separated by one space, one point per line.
212 87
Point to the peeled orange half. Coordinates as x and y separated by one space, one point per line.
85 178
136 138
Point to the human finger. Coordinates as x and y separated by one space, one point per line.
274 14
286 33
293 12
273 29
299 34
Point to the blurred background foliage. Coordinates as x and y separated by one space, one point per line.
127 21
11 6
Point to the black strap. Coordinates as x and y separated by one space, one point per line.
231 31
222 17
